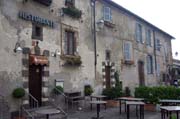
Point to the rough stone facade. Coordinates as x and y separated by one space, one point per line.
14 66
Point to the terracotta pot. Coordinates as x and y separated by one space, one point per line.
150 107
112 103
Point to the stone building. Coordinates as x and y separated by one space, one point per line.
57 41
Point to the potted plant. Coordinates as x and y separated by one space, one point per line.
88 90
19 93
113 92
73 12
73 60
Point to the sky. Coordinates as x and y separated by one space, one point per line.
161 13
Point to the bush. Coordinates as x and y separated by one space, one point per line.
88 90
127 92
18 93
114 92
58 90
154 94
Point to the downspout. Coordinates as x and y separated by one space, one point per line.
94 36
155 58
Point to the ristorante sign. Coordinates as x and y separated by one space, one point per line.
36 19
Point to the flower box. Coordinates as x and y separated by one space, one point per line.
72 59
128 62
73 12
109 24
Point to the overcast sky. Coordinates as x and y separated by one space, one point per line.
162 13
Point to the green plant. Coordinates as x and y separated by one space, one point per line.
58 90
173 117
154 94
73 12
114 92
127 92
88 90
72 60
18 93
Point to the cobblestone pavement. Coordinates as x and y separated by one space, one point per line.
109 113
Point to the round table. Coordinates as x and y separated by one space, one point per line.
47 112
98 103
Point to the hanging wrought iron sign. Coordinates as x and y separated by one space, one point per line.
36 19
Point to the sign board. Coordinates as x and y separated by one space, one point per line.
36 19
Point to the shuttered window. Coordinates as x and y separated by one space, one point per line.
107 14
70 43
149 64
158 45
139 33
127 51
148 37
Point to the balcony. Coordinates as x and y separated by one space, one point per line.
72 12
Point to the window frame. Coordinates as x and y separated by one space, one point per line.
70 50
70 3
138 32
34 32
107 13
127 51
148 37
149 59
158 44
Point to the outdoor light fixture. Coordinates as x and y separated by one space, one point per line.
56 53
17 47
100 24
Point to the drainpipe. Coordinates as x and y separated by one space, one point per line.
94 36
155 59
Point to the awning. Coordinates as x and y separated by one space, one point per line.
38 60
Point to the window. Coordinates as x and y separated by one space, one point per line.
108 54
148 37
70 3
158 45
70 43
149 64
158 69
139 33
127 51
107 14
37 32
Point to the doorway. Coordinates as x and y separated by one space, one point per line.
141 73
35 83
108 76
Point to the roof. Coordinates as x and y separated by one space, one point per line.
136 16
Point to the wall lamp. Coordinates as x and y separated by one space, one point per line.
56 53
100 24
18 48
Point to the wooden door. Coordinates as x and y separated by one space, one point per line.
108 76
141 73
35 83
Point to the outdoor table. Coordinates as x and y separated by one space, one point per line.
167 102
127 99
169 110
141 109
73 97
98 98
98 103
48 111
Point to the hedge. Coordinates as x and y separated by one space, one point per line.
154 94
